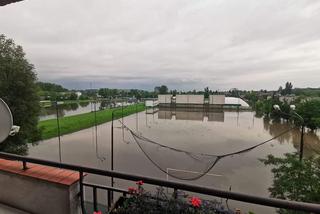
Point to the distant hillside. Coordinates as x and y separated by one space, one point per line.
310 92
52 87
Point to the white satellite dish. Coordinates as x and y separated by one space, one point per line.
6 121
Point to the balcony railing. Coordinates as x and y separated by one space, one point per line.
271 202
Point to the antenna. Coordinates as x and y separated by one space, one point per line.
6 122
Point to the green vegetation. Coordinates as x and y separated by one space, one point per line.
53 92
19 90
287 89
140 201
82 121
295 180
163 89
310 111
46 86
307 92
114 93
307 107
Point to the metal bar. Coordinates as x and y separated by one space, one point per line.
83 209
175 193
278 203
95 204
109 199
24 165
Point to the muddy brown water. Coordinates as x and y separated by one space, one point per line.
195 131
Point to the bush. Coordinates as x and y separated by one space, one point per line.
295 180
310 111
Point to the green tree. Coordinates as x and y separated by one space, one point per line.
46 86
163 89
206 92
73 96
287 89
310 111
295 180
19 90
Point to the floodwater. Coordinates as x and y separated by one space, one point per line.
182 138
70 109
67 110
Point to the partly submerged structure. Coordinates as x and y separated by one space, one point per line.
236 101
199 101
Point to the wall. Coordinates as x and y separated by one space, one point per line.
164 98
189 99
38 196
217 99
151 103
196 99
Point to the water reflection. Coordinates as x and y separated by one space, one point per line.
191 114
66 110
312 139
274 127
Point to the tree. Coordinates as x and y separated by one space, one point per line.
73 96
206 92
163 89
287 89
310 112
19 90
295 180
46 86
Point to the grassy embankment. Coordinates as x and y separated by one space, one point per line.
78 122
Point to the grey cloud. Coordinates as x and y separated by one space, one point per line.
182 43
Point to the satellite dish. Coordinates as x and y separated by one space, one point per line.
6 121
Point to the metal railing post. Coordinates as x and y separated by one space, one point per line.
109 199
175 193
95 203
83 209
24 165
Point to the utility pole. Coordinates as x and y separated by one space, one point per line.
58 127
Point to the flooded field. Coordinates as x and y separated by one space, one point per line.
184 144
69 109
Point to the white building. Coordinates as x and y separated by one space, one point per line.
217 99
189 99
164 98
236 101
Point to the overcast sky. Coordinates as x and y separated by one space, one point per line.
185 44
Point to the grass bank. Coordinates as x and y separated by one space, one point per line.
78 122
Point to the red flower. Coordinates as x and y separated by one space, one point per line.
139 183
196 202
132 190
98 212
